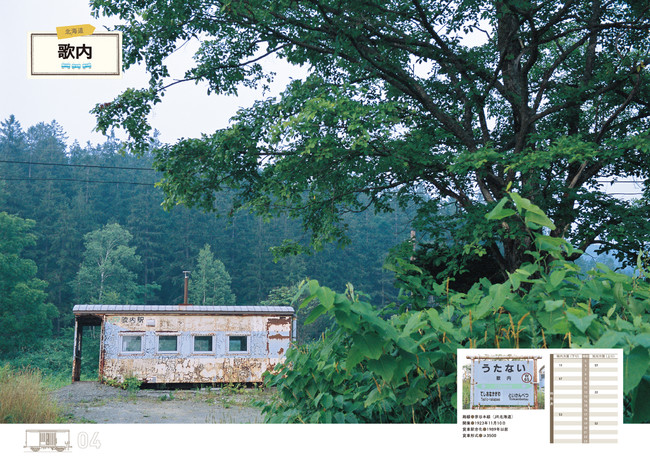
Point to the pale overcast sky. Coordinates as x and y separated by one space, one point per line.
186 110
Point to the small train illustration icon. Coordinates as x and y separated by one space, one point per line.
56 440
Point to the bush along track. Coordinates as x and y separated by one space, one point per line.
399 364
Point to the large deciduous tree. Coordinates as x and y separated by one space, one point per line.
417 99
106 275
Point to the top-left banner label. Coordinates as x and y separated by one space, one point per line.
87 56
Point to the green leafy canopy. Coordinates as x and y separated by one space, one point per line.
415 101
107 272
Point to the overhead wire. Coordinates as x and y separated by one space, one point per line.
65 179
98 166
12 161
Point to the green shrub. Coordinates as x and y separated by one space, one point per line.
53 357
132 384
23 397
399 365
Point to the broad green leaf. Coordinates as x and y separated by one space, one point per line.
541 220
374 397
581 323
315 314
549 243
611 311
642 339
521 203
414 323
416 391
515 281
635 367
635 307
326 297
499 212
609 339
642 401
557 277
552 305
407 343
624 325
533 213
405 363
619 295
384 367
447 379
313 286
483 308
370 344
553 322
306 301
346 320
326 401
516 307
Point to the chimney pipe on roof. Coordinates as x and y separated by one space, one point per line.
187 276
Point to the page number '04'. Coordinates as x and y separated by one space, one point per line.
84 440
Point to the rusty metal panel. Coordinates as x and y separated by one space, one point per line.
268 337
76 352
190 370
278 335
102 351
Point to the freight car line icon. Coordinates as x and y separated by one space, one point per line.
57 440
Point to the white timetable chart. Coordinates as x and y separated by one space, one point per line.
585 395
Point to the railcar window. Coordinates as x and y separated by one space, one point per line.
237 343
132 343
202 343
168 343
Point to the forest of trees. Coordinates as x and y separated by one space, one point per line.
80 197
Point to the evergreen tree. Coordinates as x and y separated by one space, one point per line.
25 316
210 281
74 190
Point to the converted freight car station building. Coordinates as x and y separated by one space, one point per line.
184 343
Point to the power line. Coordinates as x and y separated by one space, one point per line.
44 179
40 163
614 182
62 179
77 165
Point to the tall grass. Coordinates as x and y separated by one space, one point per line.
23 397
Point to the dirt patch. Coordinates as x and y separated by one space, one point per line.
88 401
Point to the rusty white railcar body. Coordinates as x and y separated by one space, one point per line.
184 343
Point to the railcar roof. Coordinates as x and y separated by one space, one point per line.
80 309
